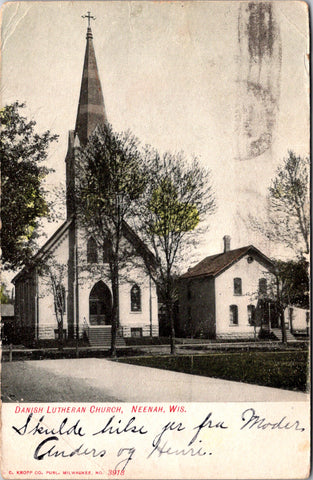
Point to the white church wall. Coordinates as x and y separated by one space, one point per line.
145 320
46 314
88 276
250 273
130 274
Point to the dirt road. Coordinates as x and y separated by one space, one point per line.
102 380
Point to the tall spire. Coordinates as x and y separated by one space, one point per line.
91 111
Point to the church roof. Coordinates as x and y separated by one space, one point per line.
91 111
128 232
46 247
139 244
215 264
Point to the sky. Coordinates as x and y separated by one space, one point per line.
225 81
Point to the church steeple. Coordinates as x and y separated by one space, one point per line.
91 111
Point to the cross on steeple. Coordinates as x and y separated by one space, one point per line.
89 18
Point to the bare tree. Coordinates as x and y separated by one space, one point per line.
288 206
287 223
54 276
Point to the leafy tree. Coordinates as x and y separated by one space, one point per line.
4 295
22 152
288 284
288 219
110 178
177 196
288 223
295 282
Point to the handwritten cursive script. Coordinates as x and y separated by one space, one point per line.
40 429
172 438
252 420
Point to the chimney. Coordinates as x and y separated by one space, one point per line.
226 239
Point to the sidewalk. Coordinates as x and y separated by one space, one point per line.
186 347
104 380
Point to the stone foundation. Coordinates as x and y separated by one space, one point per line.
46 332
125 331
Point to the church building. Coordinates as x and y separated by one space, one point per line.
88 298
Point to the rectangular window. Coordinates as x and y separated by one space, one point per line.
233 314
237 286
56 333
262 286
251 314
136 332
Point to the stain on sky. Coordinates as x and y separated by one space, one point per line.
259 66
260 30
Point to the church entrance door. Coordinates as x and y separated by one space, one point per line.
100 305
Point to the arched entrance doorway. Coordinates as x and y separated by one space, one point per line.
100 305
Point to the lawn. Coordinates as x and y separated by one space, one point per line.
283 369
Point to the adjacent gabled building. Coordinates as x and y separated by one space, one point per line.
218 296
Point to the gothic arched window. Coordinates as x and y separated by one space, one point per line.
92 251
135 298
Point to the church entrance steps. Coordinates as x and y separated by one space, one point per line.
278 333
100 336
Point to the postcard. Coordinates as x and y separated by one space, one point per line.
155 162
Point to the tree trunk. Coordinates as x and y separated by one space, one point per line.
172 327
291 322
60 333
115 313
113 333
283 325
170 314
